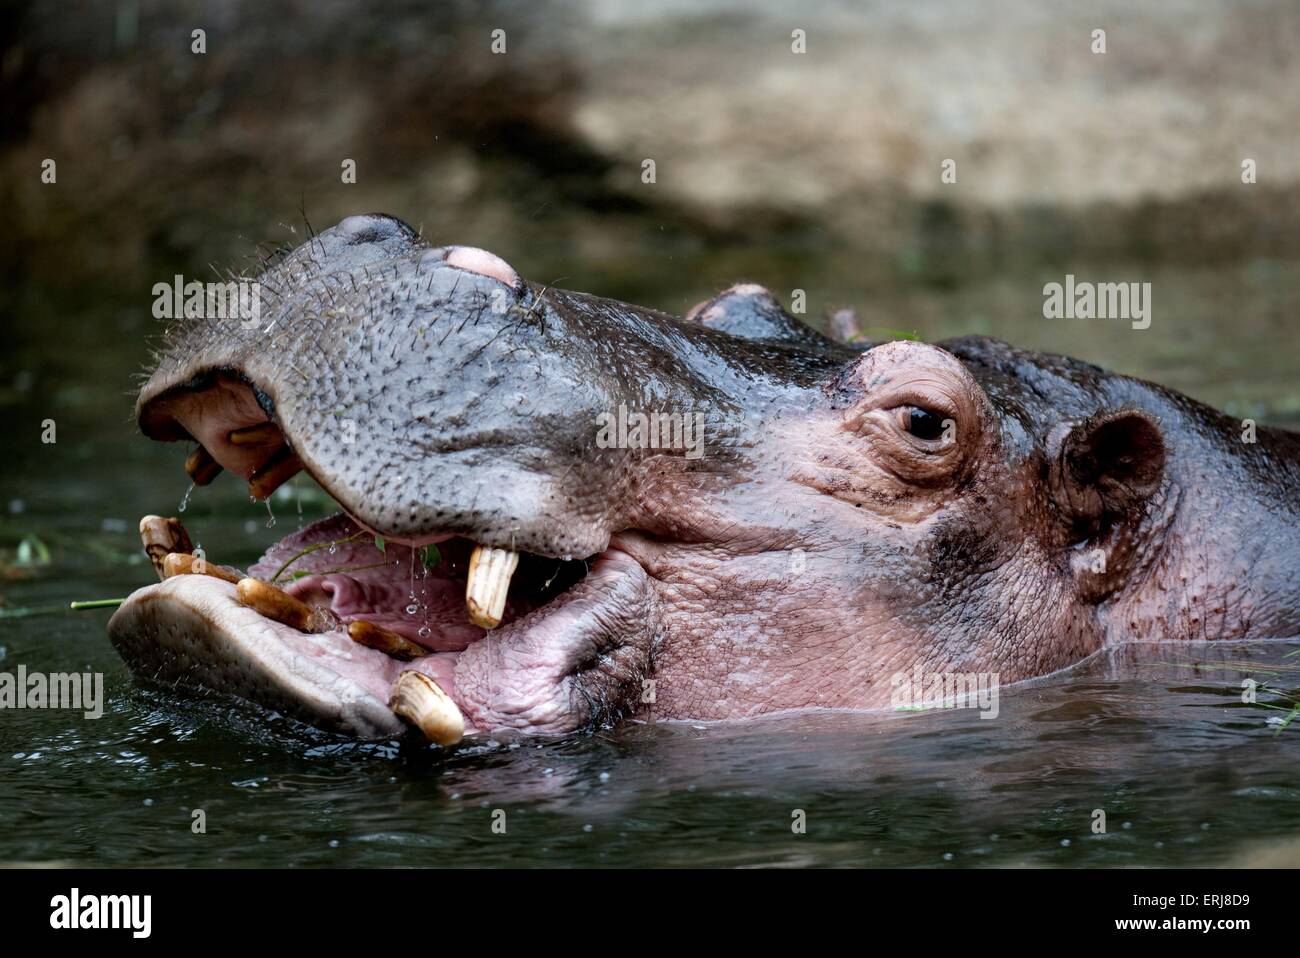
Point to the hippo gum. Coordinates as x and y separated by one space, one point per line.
851 512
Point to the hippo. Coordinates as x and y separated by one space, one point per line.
561 511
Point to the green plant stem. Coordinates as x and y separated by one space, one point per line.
355 568
308 551
96 604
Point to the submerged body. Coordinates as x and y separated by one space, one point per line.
707 517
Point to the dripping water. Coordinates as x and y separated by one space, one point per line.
414 607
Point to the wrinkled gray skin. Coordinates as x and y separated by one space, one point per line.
824 541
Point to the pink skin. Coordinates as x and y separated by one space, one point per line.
516 675
379 593
522 675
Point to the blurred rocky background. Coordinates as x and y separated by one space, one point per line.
817 171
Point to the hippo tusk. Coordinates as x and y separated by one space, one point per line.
490 570
161 537
182 563
280 606
418 699
201 467
283 465
261 434
383 640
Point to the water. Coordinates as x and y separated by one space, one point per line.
1186 774
1185 771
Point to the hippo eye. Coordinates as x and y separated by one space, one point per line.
922 423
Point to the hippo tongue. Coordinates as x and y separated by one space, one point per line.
419 594
563 658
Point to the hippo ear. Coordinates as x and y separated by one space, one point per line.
1106 467
751 312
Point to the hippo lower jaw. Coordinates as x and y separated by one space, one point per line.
558 662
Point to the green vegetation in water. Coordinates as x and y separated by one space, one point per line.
27 611
864 335
1284 701
28 555
32 551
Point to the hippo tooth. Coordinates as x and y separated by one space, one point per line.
279 605
161 536
383 640
261 434
201 467
283 465
182 563
490 570
418 699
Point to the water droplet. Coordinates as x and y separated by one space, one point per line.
333 548
185 499
425 632
412 609
270 520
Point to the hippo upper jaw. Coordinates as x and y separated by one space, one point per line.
441 401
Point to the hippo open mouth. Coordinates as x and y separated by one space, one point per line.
567 650
559 510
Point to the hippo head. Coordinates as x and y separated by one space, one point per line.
709 517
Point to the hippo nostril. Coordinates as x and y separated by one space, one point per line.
372 228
